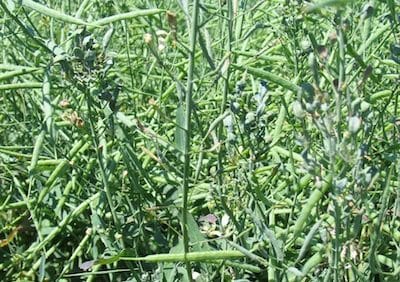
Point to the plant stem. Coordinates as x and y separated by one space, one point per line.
187 131
103 173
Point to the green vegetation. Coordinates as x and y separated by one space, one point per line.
199 140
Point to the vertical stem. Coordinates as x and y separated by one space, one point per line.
188 111
103 173
342 70
340 91
221 154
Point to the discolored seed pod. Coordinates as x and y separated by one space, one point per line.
171 17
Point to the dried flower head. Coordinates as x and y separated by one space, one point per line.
162 38
64 103
148 38
171 18
323 52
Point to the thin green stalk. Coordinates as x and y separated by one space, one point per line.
35 248
24 28
340 91
204 256
68 265
37 264
228 49
103 172
341 79
126 16
187 132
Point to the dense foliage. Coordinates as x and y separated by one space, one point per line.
257 139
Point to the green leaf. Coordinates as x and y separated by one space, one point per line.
196 238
